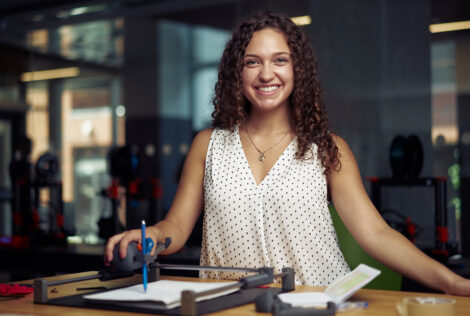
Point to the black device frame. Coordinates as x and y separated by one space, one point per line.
189 306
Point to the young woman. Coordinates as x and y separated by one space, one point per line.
263 173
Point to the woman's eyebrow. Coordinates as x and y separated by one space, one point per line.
274 54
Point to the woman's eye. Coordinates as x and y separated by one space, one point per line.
250 62
282 60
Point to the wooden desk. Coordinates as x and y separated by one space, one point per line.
380 302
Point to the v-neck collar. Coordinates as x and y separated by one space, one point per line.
277 169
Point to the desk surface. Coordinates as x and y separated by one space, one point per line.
380 302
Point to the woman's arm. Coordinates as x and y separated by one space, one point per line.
185 210
377 238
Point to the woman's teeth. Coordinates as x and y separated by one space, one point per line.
268 89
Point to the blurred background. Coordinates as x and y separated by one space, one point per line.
100 100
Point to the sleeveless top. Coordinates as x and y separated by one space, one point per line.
284 221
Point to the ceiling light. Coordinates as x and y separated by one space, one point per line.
78 11
50 74
302 20
449 27
88 9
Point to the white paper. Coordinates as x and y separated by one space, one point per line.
166 292
349 284
337 292
305 299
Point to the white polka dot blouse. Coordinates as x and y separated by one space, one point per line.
283 221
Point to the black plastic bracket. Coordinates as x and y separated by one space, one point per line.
268 302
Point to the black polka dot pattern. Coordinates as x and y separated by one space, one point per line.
282 222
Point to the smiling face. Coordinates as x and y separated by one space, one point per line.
268 75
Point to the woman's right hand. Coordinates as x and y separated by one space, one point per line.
125 238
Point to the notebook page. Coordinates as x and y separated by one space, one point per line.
349 284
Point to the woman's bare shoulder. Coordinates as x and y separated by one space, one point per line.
201 142
203 137
340 142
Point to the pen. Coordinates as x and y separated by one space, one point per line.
144 252
346 306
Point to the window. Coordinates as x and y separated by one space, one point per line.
188 58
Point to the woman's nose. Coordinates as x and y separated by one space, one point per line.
266 73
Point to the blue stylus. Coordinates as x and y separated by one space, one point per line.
144 252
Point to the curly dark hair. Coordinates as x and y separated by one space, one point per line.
307 110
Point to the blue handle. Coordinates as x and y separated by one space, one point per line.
144 251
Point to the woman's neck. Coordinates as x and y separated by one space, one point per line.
268 122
